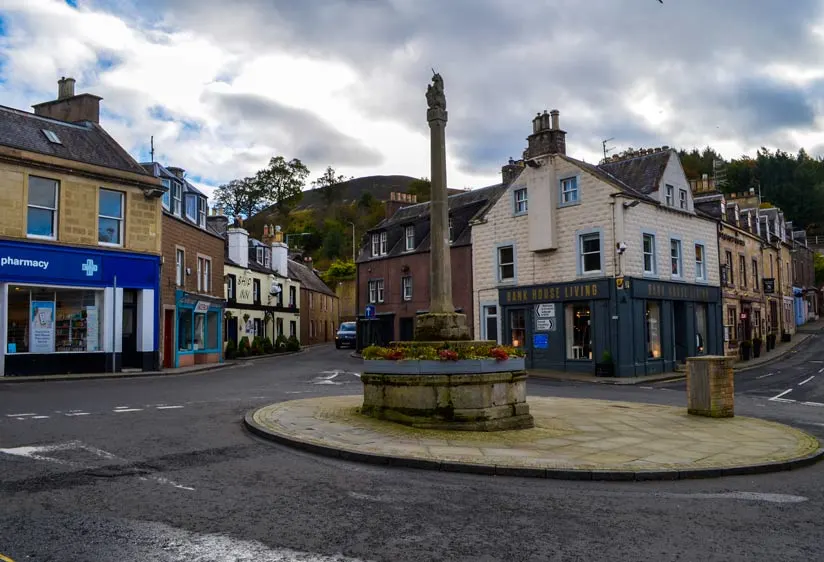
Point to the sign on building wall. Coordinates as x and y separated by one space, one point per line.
545 324
540 341
769 286
42 327
557 292
546 310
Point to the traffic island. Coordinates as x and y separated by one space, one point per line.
571 439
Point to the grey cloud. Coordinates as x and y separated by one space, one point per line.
291 131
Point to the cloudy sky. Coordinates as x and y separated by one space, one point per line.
222 86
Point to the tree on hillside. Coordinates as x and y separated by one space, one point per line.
340 270
327 182
421 188
240 197
281 183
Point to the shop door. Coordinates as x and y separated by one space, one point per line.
231 329
168 339
679 318
130 358
407 329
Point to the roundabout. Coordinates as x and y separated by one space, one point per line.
577 439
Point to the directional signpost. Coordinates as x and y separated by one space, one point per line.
545 317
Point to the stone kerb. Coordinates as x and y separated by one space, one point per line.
710 386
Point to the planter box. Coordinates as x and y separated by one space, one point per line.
462 367
604 370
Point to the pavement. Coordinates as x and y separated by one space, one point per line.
573 439
159 468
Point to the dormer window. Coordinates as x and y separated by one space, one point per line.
259 255
670 195
383 244
682 199
201 212
409 238
167 195
191 207
266 260
376 249
177 198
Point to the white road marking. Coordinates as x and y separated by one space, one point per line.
819 404
328 382
78 414
647 387
802 383
19 415
783 400
163 480
750 496
356 374
765 376
821 370
168 407
128 410
38 418
782 394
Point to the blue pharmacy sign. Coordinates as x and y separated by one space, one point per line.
540 341
370 311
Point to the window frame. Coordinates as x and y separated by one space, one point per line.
54 211
256 291
166 199
121 220
584 235
191 197
451 223
742 270
701 265
653 262
409 237
293 297
683 202
384 242
669 195
201 212
562 192
755 273
730 268
231 288
180 266
204 274
259 254
177 198
499 265
406 287
520 205
679 260
376 245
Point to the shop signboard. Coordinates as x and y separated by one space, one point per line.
42 327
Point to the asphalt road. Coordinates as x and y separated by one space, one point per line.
161 469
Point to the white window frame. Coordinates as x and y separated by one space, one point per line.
584 237
569 194
204 274
406 287
194 198
500 265
682 199
167 195
380 290
376 292
376 245
54 211
259 255
670 195
384 244
409 237
700 265
520 201
679 259
120 220
651 253
177 198
180 266
256 289
201 212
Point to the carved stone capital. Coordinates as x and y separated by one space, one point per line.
436 114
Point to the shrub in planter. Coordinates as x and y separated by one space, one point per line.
243 347
231 349
746 348
257 346
268 348
756 347
605 367
281 343
292 344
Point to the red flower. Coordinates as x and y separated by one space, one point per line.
499 354
448 355
395 355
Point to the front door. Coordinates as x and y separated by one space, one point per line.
490 323
130 358
168 339
407 329
231 329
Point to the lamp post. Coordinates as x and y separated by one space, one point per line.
353 241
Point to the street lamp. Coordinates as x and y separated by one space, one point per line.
353 241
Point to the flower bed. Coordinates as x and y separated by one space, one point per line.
445 352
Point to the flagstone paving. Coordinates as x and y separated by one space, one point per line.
569 434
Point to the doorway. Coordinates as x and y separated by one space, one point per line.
679 319
130 358
490 323
231 328
168 339
407 329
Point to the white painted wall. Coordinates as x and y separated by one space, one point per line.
145 320
112 323
674 176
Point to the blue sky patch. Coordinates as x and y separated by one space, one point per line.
72 3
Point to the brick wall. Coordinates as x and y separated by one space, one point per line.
319 312
194 241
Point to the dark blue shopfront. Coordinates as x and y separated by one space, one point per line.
640 326
77 310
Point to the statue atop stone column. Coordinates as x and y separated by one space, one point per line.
435 97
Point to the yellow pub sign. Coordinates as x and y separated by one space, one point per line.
559 292
642 289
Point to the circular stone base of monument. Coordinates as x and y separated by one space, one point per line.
572 439
441 327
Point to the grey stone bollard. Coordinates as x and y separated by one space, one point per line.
710 386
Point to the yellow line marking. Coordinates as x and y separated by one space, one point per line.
5 559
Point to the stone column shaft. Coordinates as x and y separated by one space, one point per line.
440 263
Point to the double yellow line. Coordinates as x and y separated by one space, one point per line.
5 559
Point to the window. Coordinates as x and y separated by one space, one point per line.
110 220
701 328
256 291
293 329
280 295
409 235
204 274
52 136
670 195
589 246
578 334
376 245
211 330
201 212
517 327
177 191
180 266
506 264
772 272
653 317
191 207
675 257
311 300
231 287
520 201
311 328
200 332
490 323
682 198
383 243
376 291
41 219
406 285
266 260
293 297
728 265
451 238
649 253
259 255
569 191
166 194
185 329
700 263
755 275
278 327
732 321
742 271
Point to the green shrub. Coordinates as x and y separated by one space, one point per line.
243 348
268 348
281 343
292 344
257 346
231 349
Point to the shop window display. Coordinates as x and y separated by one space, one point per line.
578 332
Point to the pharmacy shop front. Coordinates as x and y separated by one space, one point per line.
73 310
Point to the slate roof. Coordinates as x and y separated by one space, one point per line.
85 141
464 208
643 173
308 278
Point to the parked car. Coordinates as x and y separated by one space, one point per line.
347 335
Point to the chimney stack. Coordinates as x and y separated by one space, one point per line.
396 202
238 246
280 252
70 107
179 172
547 136
511 170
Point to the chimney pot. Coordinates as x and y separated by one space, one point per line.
555 114
664 147
65 88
